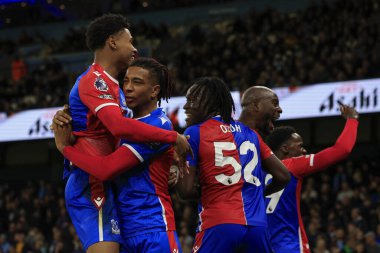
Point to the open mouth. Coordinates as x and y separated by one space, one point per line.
188 115
272 121
129 99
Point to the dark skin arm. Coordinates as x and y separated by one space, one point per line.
277 169
187 187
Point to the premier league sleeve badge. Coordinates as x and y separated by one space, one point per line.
100 84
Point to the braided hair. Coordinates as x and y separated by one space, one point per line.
160 75
214 96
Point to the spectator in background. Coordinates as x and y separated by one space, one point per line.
19 70
370 243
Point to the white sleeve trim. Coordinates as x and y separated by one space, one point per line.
134 151
311 160
104 105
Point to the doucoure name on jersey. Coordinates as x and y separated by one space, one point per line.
230 129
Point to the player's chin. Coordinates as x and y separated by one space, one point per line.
131 105
189 122
270 126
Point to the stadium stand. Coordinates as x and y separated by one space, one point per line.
269 47
324 42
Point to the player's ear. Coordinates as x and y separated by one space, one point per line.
155 91
284 149
111 42
256 106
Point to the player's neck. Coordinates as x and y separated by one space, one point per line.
107 64
280 155
247 120
142 111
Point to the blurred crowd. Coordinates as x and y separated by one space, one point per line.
17 12
340 207
328 41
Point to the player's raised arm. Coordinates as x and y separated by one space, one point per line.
331 155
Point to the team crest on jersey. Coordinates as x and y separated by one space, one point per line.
115 227
100 84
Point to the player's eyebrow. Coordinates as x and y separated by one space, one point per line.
134 79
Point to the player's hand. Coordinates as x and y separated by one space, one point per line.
348 112
62 135
173 176
182 149
62 117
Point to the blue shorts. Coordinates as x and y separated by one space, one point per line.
233 238
92 209
155 242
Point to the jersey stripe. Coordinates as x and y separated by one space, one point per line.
104 105
134 151
312 160
163 213
100 223
300 240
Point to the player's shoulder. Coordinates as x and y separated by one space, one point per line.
247 131
297 159
193 129
158 118
94 78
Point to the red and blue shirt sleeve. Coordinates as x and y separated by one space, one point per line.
308 164
145 151
265 151
96 93
194 133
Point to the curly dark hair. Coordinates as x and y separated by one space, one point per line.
279 136
102 27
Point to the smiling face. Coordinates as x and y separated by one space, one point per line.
123 43
260 109
295 146
194 113
140 91
270 111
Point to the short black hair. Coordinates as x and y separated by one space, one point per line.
279 136
214 96
160 74
102 27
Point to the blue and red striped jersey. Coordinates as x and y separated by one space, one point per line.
93 90
143 203
286 228
228 158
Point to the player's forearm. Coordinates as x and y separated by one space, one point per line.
187 187
277 169
133 130
341 149
192 193
102 167
275 186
